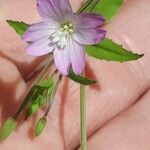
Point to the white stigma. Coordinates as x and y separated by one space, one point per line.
62 35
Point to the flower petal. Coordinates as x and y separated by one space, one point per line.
48 9
62 60
40 47
78 58
40 30
73 54
89 20
65 6
89 36
53 9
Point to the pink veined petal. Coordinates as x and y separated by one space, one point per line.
62 60
33 36
53 9
49 9
49 24
40 47
89 36
89 20
65 6
39 30
77 56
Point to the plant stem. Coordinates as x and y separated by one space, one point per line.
93 4
87 6
83 8
83 117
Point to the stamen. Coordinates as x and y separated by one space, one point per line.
71 30
66 27
62 35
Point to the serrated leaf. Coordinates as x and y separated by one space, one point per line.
40 126
107 8
8 127
80 79
20 27
108 50
46 84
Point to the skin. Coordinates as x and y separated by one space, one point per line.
117 108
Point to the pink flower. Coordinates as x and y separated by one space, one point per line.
63 33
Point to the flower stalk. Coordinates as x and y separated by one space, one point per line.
83 117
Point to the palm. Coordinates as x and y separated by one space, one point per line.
120 86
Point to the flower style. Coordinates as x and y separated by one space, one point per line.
64 33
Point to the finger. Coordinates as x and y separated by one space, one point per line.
120 85
12 86
130 130
11 45
12 92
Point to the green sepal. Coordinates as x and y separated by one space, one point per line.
108 50
7 128
42 100
19 27
32 109
40 126
46 84
80 79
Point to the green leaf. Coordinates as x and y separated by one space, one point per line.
108 50
40 126
20 27
8 127
80 79
46 84
107 8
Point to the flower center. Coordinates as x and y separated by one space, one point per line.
62 35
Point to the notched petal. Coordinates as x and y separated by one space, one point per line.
89 20
89 36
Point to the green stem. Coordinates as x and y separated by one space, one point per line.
83 117
87 6
93 4
83 8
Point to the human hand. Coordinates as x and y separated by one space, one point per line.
117 107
